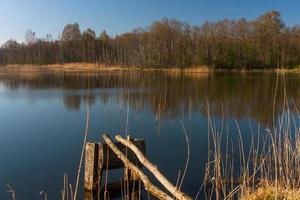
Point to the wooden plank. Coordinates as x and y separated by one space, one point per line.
114 162
134 169
96 161
93 166
154 170
115 189
89 166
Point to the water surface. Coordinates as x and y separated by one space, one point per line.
42 119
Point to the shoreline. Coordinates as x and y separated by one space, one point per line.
89 67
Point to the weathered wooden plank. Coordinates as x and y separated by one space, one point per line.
89 166
99 157
134 169
93 166
114 162
154 169
115 189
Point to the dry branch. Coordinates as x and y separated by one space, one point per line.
154 169
147 183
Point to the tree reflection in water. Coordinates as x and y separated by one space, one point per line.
229 94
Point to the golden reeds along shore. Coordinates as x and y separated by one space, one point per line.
91 67
268 170
88 67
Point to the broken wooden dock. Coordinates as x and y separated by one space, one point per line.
129 154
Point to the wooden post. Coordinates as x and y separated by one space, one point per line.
100 157
93 167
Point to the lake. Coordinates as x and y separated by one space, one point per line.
42 119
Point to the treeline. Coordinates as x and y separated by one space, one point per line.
265 42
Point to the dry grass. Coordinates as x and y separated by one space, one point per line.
295 69
88 67
268 167
272 192
270 170
71 67
91 67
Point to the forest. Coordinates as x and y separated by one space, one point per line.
261 43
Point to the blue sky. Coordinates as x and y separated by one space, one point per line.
117 16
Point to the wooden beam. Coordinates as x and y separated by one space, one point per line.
113 162
147 183
93 166
115 189
99 157
154 170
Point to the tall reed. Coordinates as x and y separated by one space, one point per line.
269 168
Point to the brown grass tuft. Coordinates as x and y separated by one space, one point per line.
272 193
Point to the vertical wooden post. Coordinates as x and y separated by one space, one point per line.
89 166
97 158
93 169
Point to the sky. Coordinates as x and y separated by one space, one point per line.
119 16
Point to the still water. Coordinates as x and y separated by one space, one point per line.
42 120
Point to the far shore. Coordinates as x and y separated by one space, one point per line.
88 67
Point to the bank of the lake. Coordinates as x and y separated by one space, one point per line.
90 67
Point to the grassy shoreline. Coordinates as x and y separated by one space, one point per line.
89 67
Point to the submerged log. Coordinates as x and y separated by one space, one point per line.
154 169
134 169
